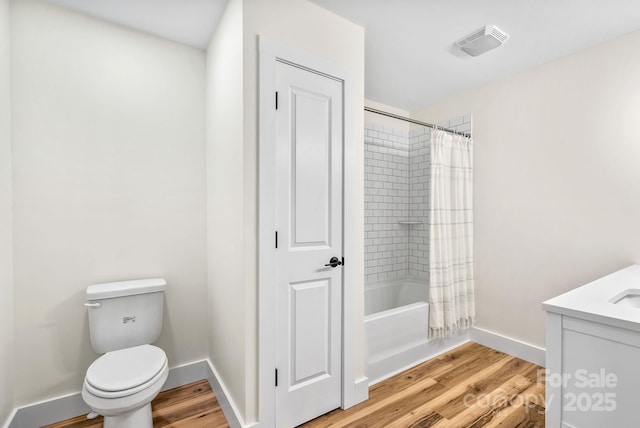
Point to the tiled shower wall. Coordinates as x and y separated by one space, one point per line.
386 202
419 172
397 170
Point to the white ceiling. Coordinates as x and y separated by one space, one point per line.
410 59
190 22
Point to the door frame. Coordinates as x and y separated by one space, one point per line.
269 54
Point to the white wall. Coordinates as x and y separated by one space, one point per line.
389 122
305 26
109 184
557 183
225 225
6 241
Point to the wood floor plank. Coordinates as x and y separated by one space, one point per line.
358 413
522 417
457 391
533 418
187 410
487 407
468 351
188 405
182 393
516 413
212 418
390 414
395 384
428 421
466 367
484 385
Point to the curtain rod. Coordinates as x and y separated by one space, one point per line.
417 122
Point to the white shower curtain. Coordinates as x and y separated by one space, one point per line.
451 288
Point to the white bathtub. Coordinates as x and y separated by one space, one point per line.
384 295
396 323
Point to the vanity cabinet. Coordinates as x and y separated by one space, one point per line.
593 354
593 374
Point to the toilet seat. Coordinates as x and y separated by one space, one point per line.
126 371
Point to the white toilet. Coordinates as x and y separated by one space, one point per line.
125 318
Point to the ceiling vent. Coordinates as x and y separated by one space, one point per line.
482 40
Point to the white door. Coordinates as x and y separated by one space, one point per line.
309 139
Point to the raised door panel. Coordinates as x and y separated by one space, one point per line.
311 168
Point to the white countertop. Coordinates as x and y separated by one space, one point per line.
592 301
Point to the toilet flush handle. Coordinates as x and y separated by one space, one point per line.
93 305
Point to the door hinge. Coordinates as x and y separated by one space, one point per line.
276 100
276 239
276 377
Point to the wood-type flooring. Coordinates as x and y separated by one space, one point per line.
188 406
471 386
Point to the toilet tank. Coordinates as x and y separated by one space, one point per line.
125 314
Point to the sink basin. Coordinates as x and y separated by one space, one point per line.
628 298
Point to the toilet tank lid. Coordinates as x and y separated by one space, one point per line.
125 288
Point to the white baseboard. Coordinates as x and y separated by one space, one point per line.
69 406
360 393
186 374
361 390
525 351
7 422
50 411
229 408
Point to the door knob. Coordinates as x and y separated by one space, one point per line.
334 262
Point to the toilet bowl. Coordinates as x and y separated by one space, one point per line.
120 385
